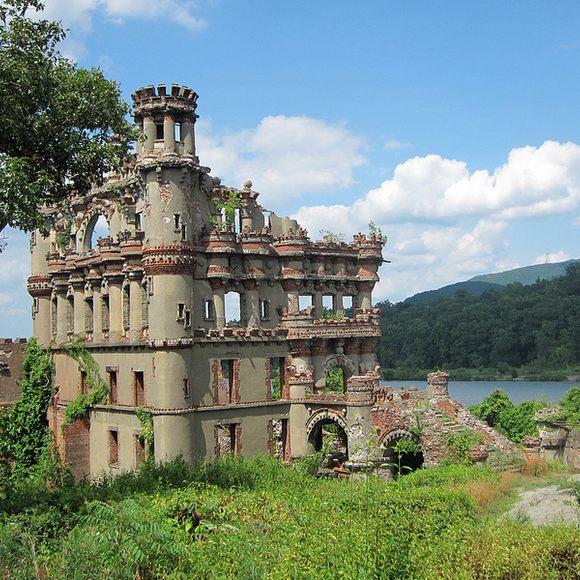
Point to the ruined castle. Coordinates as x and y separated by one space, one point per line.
226 323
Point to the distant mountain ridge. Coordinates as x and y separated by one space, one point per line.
479 284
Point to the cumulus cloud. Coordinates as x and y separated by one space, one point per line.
447 223
284 156
78 14
534 181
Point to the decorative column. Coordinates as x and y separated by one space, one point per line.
61 306
352 351
219 303
292 291
79 305
168 133
365 300
318 351
252 303
135 307
150 131
97 311
368 358
115 308
338 305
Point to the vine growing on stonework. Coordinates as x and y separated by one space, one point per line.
97 389
23 427
232 202
146 434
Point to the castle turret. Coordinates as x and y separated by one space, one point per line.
172 202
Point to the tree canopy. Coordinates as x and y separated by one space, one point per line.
57 119
505 328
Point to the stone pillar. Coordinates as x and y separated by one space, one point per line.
352 351
318 305
219 306
188 137
368 358
365 295
292 292
360 390
168 134
338 305
61 306
97 312
318 352
115 309
135 308
79 307
437 385
150 131
252 303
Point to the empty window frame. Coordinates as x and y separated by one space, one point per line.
113 447
327 304
138 388
105 312
208 310
113 385
89 314
276 382
70 313
140 451
305 301
264 310
348 305
233 308
186 387
159 130
227 375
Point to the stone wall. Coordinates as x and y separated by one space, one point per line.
11 373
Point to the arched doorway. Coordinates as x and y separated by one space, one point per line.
402 452
338 368
326 431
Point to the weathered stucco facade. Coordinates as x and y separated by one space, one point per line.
150 299
149 302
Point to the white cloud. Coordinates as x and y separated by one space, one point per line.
552 257
283 156
77 16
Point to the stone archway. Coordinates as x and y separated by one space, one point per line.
339 368
326 426
87 228
402 451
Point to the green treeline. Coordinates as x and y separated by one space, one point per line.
535 327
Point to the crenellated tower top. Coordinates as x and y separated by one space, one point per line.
167 119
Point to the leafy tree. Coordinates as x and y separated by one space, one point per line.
492 407
334 381
571 405
57 119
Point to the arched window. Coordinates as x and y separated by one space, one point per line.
233 308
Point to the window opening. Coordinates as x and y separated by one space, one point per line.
208 310
329 435
89 314
187 321
327 305
177 131
70 313
53 316
159 131
139 388
305 301
335 381
184 232
227 371
83 382
140 454
264 310
100 230
113 387
186 388
180 310
113 447
279 439
105 312
138 222
347 305
233 308
176 221
126 307
276 378
227 439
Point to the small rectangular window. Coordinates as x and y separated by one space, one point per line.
139 388
180 311
113 447
140 452
276 378
138 222
83 381
184 232
187 320
113 387
186 388
159 130
177 131
176 221
264 310
208 310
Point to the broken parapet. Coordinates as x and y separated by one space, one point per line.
438 385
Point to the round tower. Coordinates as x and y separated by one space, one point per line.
172 204
39 288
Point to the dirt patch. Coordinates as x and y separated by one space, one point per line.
547 505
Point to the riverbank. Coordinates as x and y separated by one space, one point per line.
505 373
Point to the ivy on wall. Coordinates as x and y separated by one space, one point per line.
97 387
23 427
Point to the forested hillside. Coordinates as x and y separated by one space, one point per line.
503 328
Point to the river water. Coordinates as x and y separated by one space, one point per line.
473 392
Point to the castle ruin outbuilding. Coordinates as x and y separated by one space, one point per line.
226 323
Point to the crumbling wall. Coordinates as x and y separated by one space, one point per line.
11 372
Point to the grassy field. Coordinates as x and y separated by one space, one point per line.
258 518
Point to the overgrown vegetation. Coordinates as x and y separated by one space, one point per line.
531 331
513 421
334 381
257 518
227 207
23 427
96 388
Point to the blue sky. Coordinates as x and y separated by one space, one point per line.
451 124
